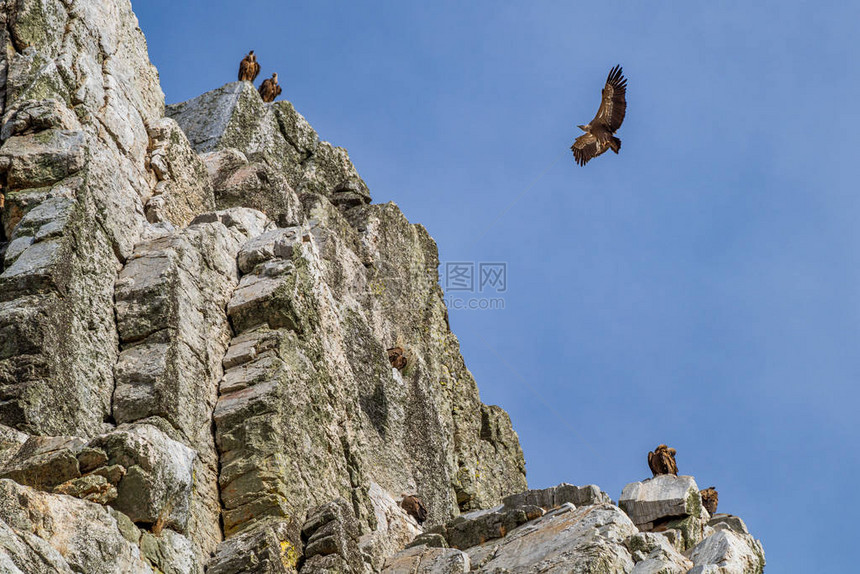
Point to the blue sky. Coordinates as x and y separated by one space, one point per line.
699 289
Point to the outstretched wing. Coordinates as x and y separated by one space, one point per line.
613 105
585 147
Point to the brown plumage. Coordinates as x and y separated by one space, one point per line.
269 89
414 508
599 132
710 498
662 460
249 68
397 358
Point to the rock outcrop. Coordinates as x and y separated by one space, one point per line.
560 536
197 305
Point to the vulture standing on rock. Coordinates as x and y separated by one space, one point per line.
414 508
269 89
599 133
397 358
662 460
249 68
710 499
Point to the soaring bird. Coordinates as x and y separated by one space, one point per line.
710 499
414 508
249 68
599 132
270 89
662 460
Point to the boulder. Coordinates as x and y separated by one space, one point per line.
41 532
554 496
566 539
156 489
663 498
727 552
44 462
475 528
270 547
656 554
426 560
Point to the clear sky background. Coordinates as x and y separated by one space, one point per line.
699 289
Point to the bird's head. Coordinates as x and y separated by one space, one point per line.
583 128
251 53
275 76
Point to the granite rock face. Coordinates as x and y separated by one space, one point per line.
196 304
194 315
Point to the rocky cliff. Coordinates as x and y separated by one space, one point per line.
196 308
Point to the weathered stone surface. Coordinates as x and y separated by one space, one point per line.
664 497
330 536
31 116
554 496
431 539
426 560
43 532
238 182
44 462
91 458
733 522
42 159
156 489
11 442
170 553
276 140
77 90
93 487
728 552
170 302
183 189
691 529
475 528
567 539
270 548
655 554
394 529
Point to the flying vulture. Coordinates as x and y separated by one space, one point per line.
249 68
598 136
414 508
662 460
710 500
270 89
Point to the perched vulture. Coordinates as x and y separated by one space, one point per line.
396 358
598 136
662 460
249 68
710 500
270 89
414 508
